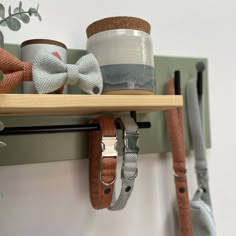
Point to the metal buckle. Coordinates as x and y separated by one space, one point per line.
131 142
108 145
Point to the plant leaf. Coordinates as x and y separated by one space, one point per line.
22 16
39 17
4 23
25 18
2 11
9 11
1 39
13 24
32 11
1 76
20 5
16 10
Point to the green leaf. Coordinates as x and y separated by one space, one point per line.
1 39
9 11
22 16
25 18
39 17
13 24
2 11
1 76
20 5
16 10
32 11
4 23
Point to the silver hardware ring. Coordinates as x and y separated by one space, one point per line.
179 176
105 183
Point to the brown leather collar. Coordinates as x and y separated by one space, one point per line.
174 120
102 162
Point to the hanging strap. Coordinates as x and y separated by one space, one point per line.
102 162
174 120
194 110
129 169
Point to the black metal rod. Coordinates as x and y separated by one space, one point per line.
133 115
200 66
59 129
177 83
199 83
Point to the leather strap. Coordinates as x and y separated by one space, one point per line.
102 162
174 120
194 110
129 169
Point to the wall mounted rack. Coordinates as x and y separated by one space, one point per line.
75 108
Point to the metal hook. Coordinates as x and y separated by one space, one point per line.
2 144
1 126
200 67
177 83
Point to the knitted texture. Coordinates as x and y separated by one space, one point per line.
50 73
14 71
174 120
101 169
129 168
60 90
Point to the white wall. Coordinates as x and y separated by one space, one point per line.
52 198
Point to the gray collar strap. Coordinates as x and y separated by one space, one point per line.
129 168
194 110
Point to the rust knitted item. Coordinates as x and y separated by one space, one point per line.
174 120
102 169
14 71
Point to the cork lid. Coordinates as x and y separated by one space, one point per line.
118 22
43 41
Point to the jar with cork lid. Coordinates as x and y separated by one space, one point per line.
123 48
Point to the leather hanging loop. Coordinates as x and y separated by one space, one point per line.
174 120
102 162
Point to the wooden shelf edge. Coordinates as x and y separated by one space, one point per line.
68 104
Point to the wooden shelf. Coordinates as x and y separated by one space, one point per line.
65 104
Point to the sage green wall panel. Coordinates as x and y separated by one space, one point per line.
67 146
157 140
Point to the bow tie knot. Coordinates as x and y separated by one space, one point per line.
72 75
50 73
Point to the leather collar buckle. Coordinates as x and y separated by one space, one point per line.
108 145
131 142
